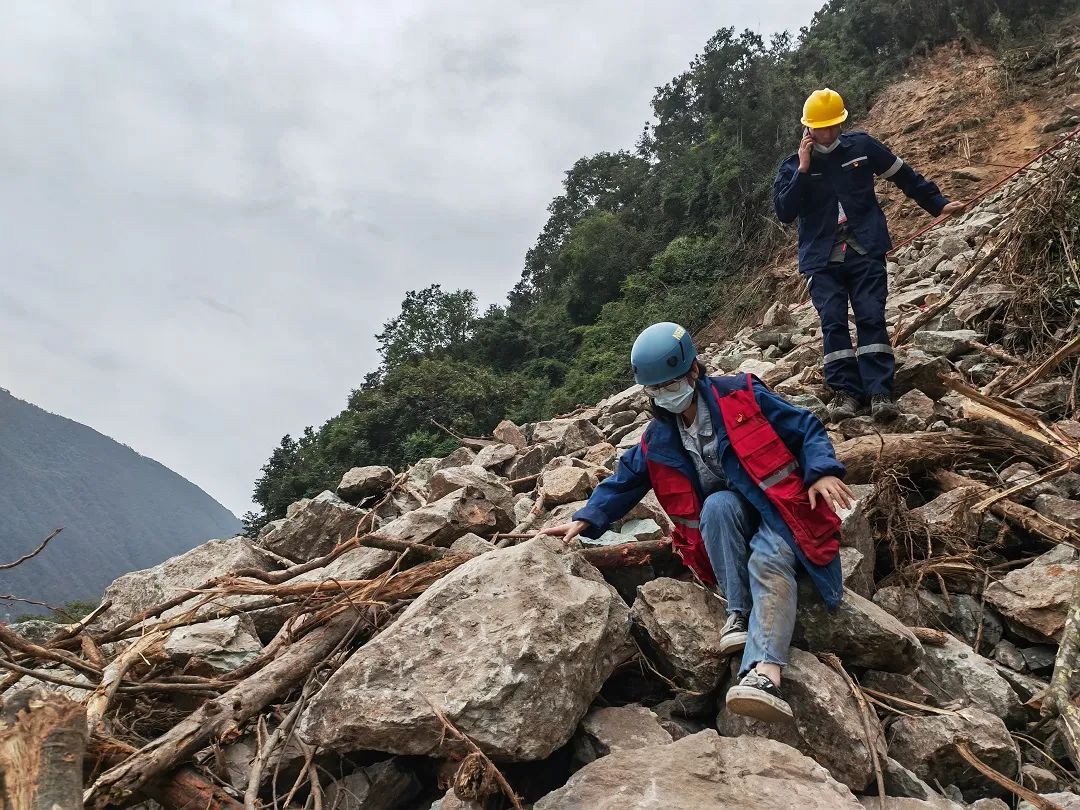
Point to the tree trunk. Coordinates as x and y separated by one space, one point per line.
215 717
42 743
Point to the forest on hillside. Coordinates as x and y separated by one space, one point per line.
665 231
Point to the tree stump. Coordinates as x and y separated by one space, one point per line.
42 743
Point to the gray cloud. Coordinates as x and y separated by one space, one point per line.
169 166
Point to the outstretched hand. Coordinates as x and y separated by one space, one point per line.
835 492
568 531
955 207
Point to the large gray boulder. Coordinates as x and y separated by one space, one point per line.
133 593
702 772
858 631
362 482
955 673
1034 599
356 563
512 647
312 527
927 746
825 714
963 613
678 625
442 522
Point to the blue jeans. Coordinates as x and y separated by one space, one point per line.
755 568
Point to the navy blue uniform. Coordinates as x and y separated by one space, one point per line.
843 181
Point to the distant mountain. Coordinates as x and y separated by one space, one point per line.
120 511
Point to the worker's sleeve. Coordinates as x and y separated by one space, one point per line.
788 190
618 493
803 434
889 167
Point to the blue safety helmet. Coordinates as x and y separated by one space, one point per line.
661 353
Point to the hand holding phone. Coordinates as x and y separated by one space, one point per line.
806 148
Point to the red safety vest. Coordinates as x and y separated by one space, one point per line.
769 462
771 465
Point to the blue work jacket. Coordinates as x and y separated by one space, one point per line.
846 175
799 429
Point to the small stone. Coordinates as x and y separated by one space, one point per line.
1040 658
532 461
1023 472
1009 655
1060 510
472 544
810 403
509 433
311 528
858 574
617 728
362 482
916 369
1039 779
386 785
633 438
777 315
601 455
1065 800
759 368
1048 397
946 344
570 435
918 404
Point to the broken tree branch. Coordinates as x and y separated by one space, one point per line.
34 553
1030 796
1050 363
1057 700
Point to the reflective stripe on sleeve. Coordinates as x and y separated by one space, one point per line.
874 348
690 524
892 169
840 354
779 475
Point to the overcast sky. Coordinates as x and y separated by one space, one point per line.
209 208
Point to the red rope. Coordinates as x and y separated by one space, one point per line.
997 184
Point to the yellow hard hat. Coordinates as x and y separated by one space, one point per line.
823 108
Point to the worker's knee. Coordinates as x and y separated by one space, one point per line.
725 512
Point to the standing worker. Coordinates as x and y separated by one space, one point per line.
828 185
752 485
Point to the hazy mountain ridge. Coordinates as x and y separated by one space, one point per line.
120 510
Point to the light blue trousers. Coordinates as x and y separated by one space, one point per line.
755 568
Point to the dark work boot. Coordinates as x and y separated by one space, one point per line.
883 408
843 406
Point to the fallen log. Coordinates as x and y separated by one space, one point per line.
912 452
184 789
623 555
1058 701
216 717
1011 512
42 743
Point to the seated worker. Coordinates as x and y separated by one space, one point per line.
752 486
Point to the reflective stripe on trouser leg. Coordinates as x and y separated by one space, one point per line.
830 298
868 284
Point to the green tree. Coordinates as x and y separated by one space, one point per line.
430 321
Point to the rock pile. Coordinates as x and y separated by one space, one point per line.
404 643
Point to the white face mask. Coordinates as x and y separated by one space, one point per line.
678 400
824 150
